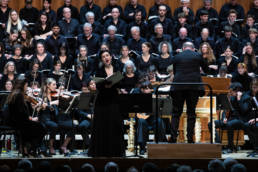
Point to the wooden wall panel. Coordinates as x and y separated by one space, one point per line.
195 4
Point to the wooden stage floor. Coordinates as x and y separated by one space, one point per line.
75 161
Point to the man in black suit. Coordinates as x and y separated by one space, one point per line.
186 69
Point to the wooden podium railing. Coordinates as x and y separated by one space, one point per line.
219 85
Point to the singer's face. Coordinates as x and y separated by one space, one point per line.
57 67
106 58
125 51
35 67
83 51
232 17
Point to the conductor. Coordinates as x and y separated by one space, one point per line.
187 66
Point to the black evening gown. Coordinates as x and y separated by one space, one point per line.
107 133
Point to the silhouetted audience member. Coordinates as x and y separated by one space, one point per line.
172 168
24 164
238 168
150 167
87 168
111 167
5 168
44 166
63 168
184 168
216 165
228 163
132 169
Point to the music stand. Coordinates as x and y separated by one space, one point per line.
86 102
3 98
135 103
3 116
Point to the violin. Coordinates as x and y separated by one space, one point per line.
54 93
31 99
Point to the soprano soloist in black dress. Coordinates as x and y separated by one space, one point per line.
107 132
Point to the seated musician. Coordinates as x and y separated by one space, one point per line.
48 114
147 122
234 119
249 106
20 110
78 82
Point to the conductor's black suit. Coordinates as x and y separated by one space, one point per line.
186 69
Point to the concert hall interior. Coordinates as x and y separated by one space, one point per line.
128 85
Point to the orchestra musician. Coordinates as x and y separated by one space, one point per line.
147 122
249 106
64 121
107 137
20 110
234 118
48 113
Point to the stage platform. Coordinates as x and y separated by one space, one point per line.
75 161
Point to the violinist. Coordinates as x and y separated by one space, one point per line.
234 118
48 113
65 126
32 132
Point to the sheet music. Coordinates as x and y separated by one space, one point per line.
113 79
